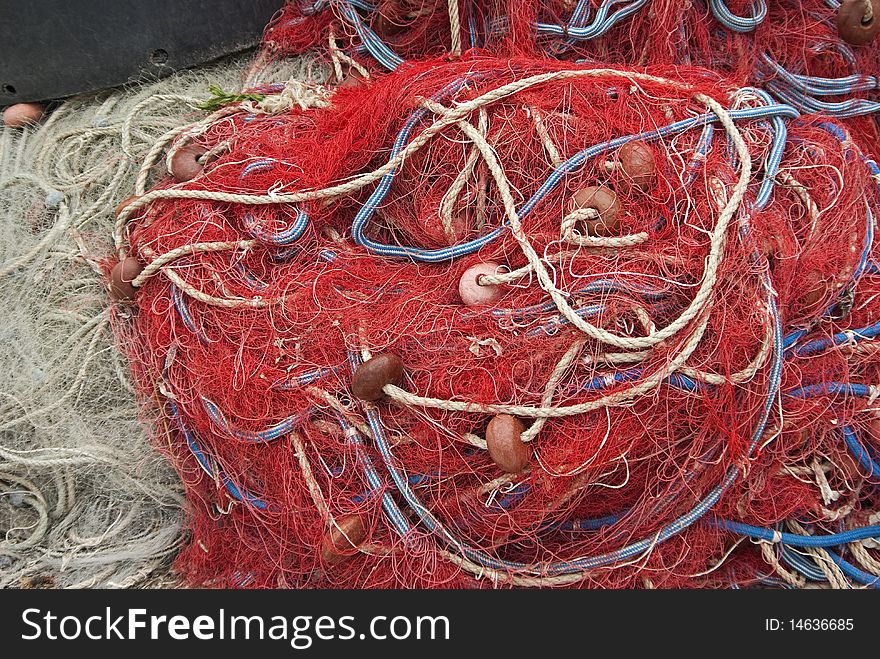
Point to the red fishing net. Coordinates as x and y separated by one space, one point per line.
669 330
798 50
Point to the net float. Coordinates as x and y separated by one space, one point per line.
604 201
506 448
121 276
23 114
472 292
343 538
185 163
371 377
858 21
637 164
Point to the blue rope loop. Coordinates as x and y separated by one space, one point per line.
606 18
739 23
374 45
849 337
209 464
860 453
795 540
806 92
279 237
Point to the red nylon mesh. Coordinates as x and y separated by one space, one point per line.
651 459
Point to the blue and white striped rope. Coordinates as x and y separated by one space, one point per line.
805 92
269 434
774 157
380 51
847 109
804 565
818 86
207 464
181 305
578 23
281 238
307 378
739 23
392 511
250 280
604 20
473 39
261 165
860 453
830 389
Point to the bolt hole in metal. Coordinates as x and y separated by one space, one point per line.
159 57
8 89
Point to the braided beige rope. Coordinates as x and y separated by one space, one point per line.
255 302
651 382
188 250
306 468
550 389
446 118
544 136
356 183
458 185
454 27
768 551
569 222
863 556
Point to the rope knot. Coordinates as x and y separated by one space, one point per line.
296 94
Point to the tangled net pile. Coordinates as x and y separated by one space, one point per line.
512 321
